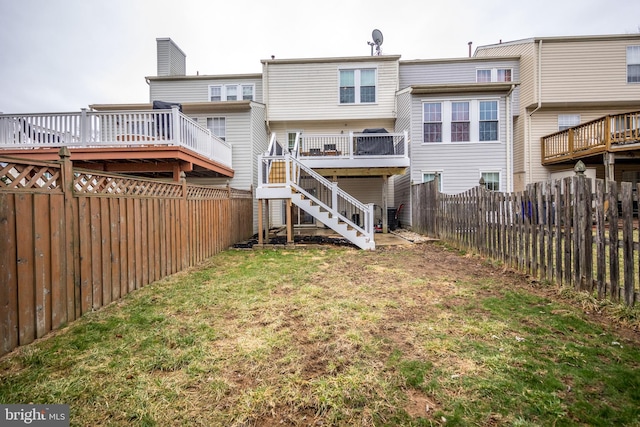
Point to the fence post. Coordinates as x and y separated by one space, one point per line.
71 297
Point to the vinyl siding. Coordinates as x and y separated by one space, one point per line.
587 71
460 163
310 91
545 122
527 72
171 61
196 89
401 183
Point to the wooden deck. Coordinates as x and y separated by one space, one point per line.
608 134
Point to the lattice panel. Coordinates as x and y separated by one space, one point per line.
21 176
90 183
208 192
216 192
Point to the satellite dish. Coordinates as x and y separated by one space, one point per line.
377 37
377 41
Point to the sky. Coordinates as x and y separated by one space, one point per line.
63 55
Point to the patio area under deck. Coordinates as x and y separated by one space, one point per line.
154 143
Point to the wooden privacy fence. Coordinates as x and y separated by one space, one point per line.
72 241
560 231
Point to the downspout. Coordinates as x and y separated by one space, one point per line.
509 140
265 95
539 96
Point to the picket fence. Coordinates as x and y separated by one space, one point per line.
562 231
72 241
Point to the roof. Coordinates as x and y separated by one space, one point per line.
564 39
462 88
207 77
332 59
464 59
187 107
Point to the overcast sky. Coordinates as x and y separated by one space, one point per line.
62 55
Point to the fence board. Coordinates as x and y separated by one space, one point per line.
137 246
42 263
627 235
84 223
105 239
25 261
600 239
131 246
96 252
614 259
8 274
114 234
58 260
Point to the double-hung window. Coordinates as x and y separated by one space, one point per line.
460 122
218 127
358 86
231 92
488 123
491 180
633 64
566 121
487 75
432 126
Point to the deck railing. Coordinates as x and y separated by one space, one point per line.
111 129
597 136
354 145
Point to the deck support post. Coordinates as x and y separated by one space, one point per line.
609 167
385 207
260 222
289 221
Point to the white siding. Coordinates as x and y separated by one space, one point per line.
310 91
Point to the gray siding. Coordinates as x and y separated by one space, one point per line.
196 89
459 163
171 61
401 183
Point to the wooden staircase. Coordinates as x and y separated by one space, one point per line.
279 178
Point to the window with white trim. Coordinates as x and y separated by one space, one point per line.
218 127
461 121
488 122
633 64
566 121
432 126
231 92
432 175
487 75
491 180
357 86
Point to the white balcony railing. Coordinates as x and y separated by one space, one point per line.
353 145
112 129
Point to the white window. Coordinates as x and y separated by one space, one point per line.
432 175
491 180
565 121
217 126
460 121
432 126
357 86
231 92
486 75
633 64
488 124
291 138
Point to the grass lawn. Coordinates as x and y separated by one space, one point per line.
417 336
